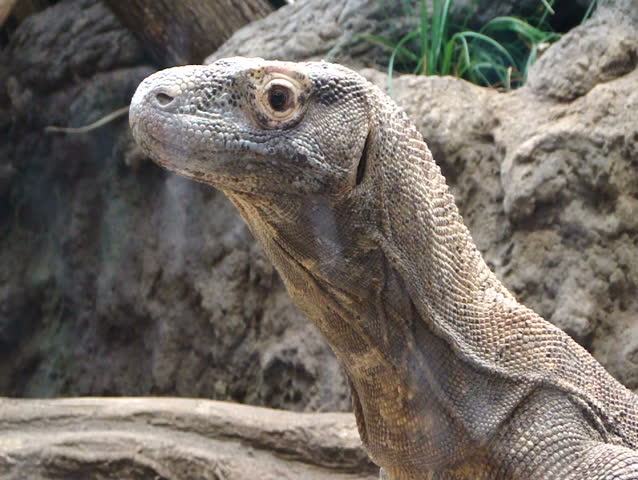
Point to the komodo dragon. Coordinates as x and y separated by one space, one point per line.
451 377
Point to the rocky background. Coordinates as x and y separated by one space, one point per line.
118 278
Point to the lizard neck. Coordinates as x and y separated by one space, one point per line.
336 265
423 236
467 307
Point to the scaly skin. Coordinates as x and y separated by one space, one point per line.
451 377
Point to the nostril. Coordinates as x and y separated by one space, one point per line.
163 99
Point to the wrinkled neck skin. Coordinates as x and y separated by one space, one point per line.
365 269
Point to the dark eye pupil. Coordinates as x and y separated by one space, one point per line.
278 99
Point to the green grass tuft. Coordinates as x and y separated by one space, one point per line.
499 54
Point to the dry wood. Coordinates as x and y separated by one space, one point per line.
175 438
179 33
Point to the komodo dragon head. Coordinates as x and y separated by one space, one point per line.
254 126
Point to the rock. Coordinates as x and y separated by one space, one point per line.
482 11
7 174
316 29
171 438
71 40
623 11
598 52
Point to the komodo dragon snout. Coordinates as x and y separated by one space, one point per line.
252 126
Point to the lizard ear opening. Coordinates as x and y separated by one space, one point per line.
363 161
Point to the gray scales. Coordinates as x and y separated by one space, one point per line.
451 377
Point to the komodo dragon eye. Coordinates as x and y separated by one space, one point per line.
278 100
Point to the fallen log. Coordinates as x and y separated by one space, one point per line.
175 438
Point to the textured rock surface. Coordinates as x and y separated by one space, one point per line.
316 29
170 438
119 279
330 30
601 50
